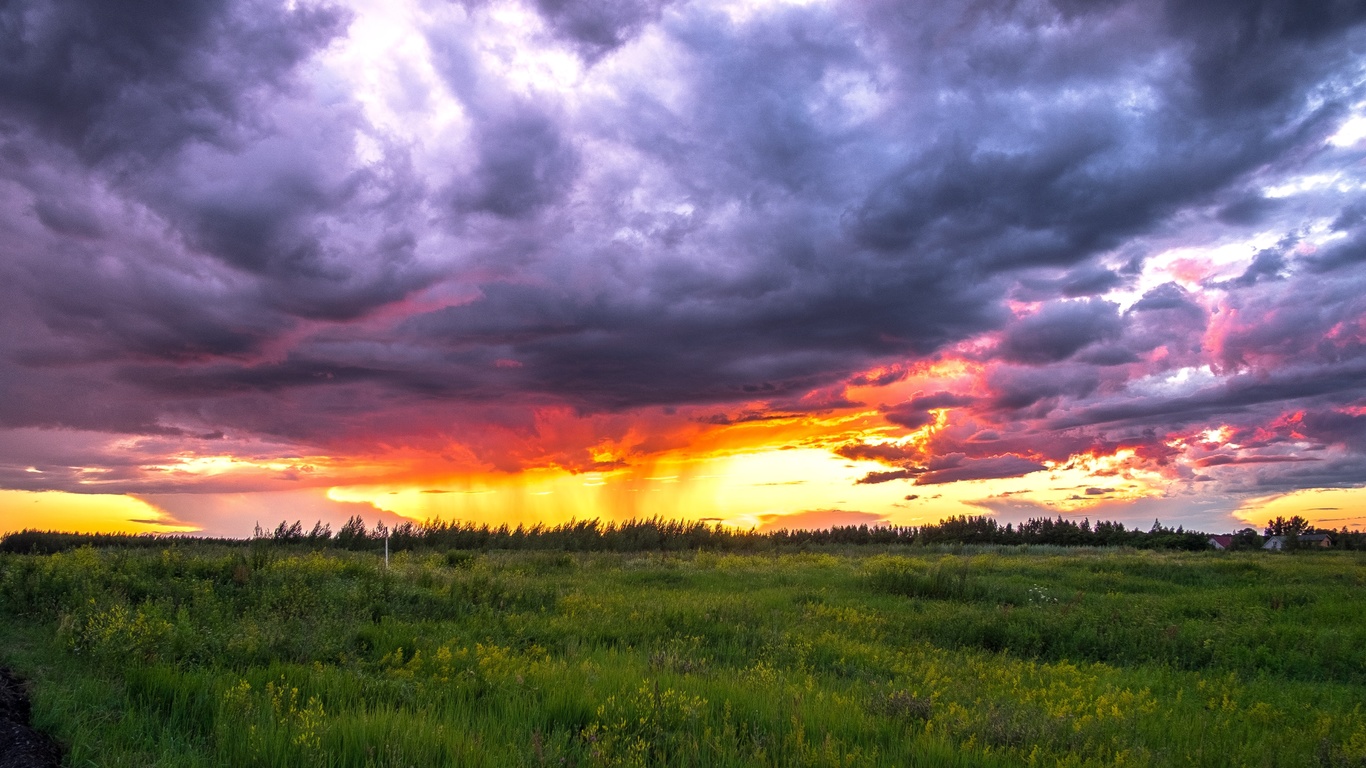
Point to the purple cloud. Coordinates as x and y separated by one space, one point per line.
214 220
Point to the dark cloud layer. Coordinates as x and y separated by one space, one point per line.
597 28
1059 330
205 230
124 84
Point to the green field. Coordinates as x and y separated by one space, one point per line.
198 655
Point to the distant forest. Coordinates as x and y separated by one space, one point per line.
656 534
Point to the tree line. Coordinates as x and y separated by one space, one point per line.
658 534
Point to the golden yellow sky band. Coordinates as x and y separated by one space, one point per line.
1324 507
80 512
744 490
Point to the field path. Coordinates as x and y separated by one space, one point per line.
20 745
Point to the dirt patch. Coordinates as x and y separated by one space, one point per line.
20 745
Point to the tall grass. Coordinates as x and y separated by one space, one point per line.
215 656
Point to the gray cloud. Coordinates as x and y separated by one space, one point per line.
750 212
598 28
1059 330
1007 465
525 164
125 83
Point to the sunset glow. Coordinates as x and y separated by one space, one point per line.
759 263
54 510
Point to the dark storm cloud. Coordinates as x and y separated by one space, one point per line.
325 237
1348 253
915 413
1267 264
941 400
64 217
1294 350
886 453
170 108
994 467
1250 209
141 309
1333 426
839 263
1222 459
127 82
1087 280
202 230
1059 330
1247 56
186 206
1167 317
1107 355
525 164
596 27
682 346
880 378
908 417
948 467
1168 296
875 478
1289 355
1019 387
1236 395
1309 321
1047 182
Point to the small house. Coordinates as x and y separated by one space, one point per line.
1222 541
1319 540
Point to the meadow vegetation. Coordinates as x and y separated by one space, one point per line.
203 654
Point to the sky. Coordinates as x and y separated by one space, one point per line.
767 263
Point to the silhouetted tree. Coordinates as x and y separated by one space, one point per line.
1248 538
1295 526
288 534
353 534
